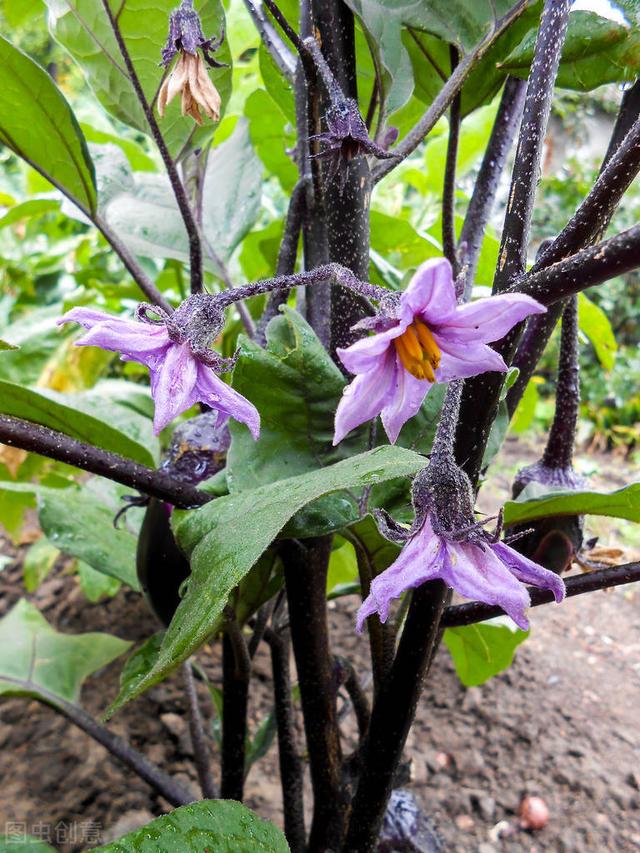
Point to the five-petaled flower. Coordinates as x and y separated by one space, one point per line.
491 572
422 336
189 77
182 373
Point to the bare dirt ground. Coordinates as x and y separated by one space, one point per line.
562 724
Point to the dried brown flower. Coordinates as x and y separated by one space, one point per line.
190 79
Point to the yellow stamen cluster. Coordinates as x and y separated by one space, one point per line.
190 78
418 351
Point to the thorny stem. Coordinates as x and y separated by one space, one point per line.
486 186
481 396
305 573
512 259
55 445
449 188
280 53
171 790
195 250
198 737
392 714
236 674
477 611
291 769
131 264
619 168
562 435
448 92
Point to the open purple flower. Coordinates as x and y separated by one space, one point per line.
489 572
422 336
181 369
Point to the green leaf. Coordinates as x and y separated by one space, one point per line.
38 124
27 209
81 525
222 552
621 503
595 324
138 158
142 209
96 585
38 562
83 28
261 742
210 826
22 844
271 137
19 13
52 410
597 50
481 651
526 410
37 661
6 346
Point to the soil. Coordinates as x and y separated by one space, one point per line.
561 724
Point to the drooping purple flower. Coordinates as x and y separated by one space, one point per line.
489 572
181 366
346 136
423 336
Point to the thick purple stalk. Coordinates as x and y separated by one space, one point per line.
236 675
562 435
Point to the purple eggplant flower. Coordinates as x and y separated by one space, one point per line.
482 570
423 336
181 374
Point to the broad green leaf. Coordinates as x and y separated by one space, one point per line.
526 410
27 209
83 28
481 651
38 124
19 13
52 410
22 844
39 559
96 585
621 503
595 324
222 552
145 214
210 826
271 137
597 50
138 158
4 346
399 242
81 525
37 661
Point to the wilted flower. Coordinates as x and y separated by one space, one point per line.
189 77
181 366
346 136
446 543
423 336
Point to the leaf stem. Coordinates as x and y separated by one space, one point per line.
195 249
55 445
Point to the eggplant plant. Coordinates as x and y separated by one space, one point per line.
284 226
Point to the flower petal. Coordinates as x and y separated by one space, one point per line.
365 397
173 385
489 319
407 397
420 560
479 573
527 571
459 361
365 355
212 391
431 292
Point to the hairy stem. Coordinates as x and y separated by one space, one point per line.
486 186
478 611
291 770
198 738
55 445
195 250
236 674
449 188
280 53
305 572
245 316
448 92
392 714
562 435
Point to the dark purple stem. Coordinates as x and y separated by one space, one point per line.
562 435
199 740
486 187
478 611
280 54
195 249
291 769
63 448
236 675
449 188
